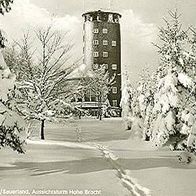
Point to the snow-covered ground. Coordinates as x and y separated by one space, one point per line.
60 163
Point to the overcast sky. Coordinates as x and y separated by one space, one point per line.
139 23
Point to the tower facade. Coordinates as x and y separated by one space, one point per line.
102 47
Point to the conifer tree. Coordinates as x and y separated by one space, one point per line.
126 101
11 125
174 99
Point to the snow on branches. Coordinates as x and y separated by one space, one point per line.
97 83
44 86
11 124
166 102
5 6
175 94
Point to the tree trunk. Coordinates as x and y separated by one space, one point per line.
100 114
100 111
80 114
42 129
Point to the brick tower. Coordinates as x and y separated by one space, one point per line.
102 46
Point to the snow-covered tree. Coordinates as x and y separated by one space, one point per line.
174 108
44 87
145 98
137 104
5 6
165 103
98 83
11 125
126 102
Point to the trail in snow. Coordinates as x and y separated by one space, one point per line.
128 182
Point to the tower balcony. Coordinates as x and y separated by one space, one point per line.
102 16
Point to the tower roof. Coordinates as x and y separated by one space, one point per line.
101 12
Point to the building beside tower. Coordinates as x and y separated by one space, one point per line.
102 47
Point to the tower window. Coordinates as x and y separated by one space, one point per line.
96 30
105 31
110 18
96 54
114 66
113 43
105 42
105 54
114 103
116 20
98 18
95 42
114 90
